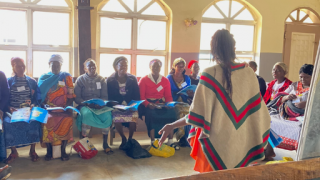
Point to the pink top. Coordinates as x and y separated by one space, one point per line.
149 89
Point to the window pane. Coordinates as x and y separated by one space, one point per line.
207 31
51 28
142 3
143 65
212 12
243 35
244 15
129 3
154 9
302 15
13 30
106 63
244 58
205 64
224 7
288 20
11 1
235 7
41 62
308 20
294 14
115 33
114 6
5 60
151 35
53 3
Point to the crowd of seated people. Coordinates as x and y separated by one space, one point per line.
285 100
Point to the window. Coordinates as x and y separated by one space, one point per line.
303 16
235 17
136 29
35 32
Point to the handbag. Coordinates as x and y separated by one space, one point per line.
85 148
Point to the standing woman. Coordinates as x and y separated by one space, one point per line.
155 89
88 86
123 88
24 92
195 69
221 137
280 82
4 100
57 91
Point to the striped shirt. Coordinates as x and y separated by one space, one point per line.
19 92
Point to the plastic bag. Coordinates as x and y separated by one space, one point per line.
285 159
85 149
164 151
135 151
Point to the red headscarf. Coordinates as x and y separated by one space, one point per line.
191 63
16 59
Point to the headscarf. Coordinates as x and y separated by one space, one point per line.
16 59
177 61
283 66
117 60
191 63
307 69
153 61
56 58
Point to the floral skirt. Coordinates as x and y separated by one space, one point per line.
125 117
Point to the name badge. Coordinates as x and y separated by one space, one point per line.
184 84
159 88
22 88
98 85
62 83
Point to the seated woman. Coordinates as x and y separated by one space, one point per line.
287 107
195 69
280 82
178 81
57 90
88 86
155 89
23 93
123 88
4 100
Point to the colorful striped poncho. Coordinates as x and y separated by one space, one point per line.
228 132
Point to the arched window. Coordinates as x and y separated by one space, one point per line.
234 16
136 29
303 16
34 30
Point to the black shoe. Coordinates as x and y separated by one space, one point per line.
183 142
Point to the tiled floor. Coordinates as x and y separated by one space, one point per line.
116 167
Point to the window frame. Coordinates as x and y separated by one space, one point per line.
30 7
134 51
228 20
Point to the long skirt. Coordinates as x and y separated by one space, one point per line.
58 128
19 134
157 118
125 117
3 150
99 118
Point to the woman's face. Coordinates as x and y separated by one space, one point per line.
179 68
55 67
91 68
305 79
195 68
278 72
19 68
122 68
155 68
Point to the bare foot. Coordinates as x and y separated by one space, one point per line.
11 158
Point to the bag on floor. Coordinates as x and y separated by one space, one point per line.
163 151
135 151
85 149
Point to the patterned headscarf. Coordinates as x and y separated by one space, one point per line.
117 60
283 66
177 61
153 61
16 59
56 58
307 69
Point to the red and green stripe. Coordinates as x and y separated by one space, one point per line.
198 121
237 66
212 155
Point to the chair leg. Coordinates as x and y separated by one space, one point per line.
111 136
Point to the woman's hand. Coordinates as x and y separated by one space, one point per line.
289 97
151 106
301 105
12 109
165 131
190 93
31 106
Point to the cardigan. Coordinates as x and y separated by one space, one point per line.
149 89
132 89
175 89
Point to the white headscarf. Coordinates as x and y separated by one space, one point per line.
56 58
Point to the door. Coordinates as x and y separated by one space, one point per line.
300 44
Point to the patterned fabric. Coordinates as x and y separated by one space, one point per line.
59 125
20 93
99 118
300 90
234 130
268 93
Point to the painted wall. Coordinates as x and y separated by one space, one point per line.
186 42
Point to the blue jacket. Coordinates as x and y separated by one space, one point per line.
175 89
34 89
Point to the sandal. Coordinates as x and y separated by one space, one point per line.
108 151
34 157
175 146
11 158
5 173
48 157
